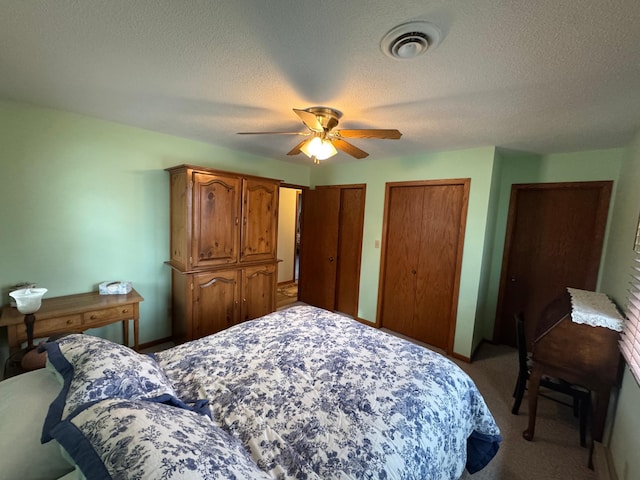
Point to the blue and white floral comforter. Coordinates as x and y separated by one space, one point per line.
315 395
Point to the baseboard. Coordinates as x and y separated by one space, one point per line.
603 463
460 357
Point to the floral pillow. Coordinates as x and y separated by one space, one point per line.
133 439
92 368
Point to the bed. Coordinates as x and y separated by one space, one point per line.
298 394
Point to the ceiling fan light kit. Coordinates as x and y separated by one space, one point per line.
410 40
319 149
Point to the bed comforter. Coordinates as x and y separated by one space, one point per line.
315 395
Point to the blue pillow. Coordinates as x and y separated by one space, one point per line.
133 439
92 368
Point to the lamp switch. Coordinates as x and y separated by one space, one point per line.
376 244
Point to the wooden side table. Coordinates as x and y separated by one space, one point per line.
74 313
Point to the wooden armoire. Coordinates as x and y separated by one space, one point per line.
223 249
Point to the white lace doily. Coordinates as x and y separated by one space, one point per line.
594 309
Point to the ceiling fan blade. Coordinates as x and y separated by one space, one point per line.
296 150
348 148
309 119
368 133
273 133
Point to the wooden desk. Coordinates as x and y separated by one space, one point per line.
580 354
74 313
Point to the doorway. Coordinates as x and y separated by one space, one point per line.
289 209
554 238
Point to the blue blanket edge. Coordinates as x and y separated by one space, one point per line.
481 448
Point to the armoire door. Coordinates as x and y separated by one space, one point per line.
319 247
216 214
259 220
554 239
422 258
258 291
215 301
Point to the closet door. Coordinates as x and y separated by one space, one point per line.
402 246
422 258
437 280
319 247
331 247
349 249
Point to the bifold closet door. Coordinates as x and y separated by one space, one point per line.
425 223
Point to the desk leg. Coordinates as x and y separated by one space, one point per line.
136 344
534 384
125 332
599 419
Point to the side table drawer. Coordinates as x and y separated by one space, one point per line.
122 312
44 328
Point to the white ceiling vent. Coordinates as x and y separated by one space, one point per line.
410 40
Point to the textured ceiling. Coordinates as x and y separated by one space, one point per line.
540 76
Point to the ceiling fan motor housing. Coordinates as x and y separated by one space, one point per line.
328 117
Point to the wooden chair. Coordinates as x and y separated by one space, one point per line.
581 397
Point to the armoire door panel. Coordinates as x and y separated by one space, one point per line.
555 234
259 220
319 247
180 209
259 285
216 301
216 214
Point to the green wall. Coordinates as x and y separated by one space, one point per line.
83 201
624 439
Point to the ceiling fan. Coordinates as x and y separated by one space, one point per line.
324 140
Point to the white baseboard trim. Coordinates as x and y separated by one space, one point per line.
603 463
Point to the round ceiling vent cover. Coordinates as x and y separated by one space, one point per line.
410 40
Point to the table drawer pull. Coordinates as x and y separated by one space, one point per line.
93 317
